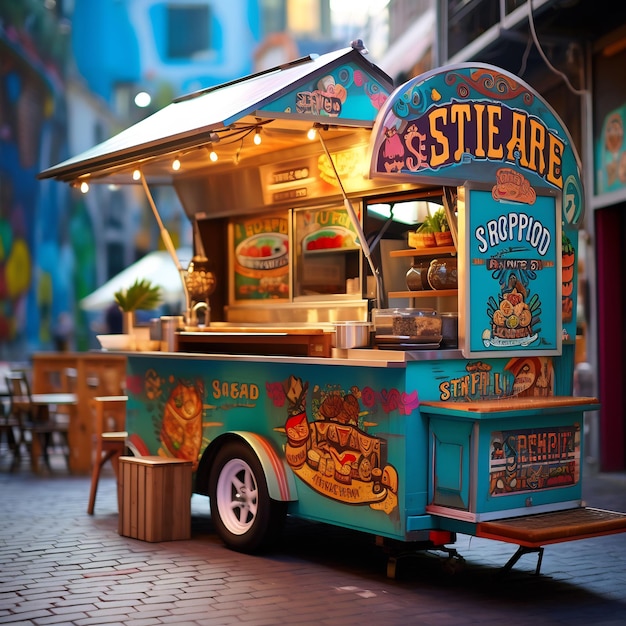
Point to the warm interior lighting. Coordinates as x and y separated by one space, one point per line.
213 155
312 133
176 164
614 48
136 175
84 187
257 137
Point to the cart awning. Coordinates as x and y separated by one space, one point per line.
340 89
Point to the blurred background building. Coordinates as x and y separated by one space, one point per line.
75 72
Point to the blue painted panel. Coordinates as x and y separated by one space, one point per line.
346 92
451 449
513 270
353 436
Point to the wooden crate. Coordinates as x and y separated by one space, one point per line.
155 498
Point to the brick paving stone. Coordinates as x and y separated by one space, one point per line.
338 576
63 618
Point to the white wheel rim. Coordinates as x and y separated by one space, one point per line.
237 496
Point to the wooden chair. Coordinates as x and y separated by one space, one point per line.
37 426
109 439
10 429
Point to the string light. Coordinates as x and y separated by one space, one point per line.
84 187
136 175
257 137
213 155
312 133
176 164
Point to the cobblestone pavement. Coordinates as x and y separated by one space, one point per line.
60 566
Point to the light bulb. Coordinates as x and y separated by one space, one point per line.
84 187
311 134
257 137
213 156
136 175
176 165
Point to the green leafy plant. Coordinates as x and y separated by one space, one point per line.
141 295
435 223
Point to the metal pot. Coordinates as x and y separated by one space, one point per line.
352 335
449 330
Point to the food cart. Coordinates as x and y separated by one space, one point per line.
308 375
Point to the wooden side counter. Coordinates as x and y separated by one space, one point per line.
86 374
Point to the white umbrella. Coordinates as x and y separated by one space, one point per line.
157 267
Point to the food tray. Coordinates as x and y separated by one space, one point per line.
408 346
419 340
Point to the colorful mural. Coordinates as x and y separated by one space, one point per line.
528 376
325 431
527 460
332 451
512 268
611 153
35 302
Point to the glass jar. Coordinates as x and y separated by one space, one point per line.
442 273
417 276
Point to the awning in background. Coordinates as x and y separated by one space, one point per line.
157 267
411 46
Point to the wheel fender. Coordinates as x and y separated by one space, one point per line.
281 483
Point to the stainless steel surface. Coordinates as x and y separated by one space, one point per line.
169 325
450 329
155 329
313 312
352 335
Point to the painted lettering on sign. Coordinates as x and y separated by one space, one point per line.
263 225
234 390
513 227
478 384
455 132
534 459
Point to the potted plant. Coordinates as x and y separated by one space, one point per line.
424 236
439 224
433 231
142 295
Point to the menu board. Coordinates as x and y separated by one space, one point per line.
326 253
260 257
512 282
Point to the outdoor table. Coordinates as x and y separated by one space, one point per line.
41 403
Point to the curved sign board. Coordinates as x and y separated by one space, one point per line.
520 199
464 123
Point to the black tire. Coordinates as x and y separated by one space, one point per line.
244 516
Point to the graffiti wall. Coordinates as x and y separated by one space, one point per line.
35 247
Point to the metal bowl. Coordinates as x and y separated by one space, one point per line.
352 335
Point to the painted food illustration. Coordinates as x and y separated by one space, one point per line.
181 429
512 317
264 251
329 238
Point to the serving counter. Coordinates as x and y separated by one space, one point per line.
315 342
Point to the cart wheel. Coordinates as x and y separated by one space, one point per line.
244 515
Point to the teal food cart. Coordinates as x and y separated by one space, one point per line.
308 376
